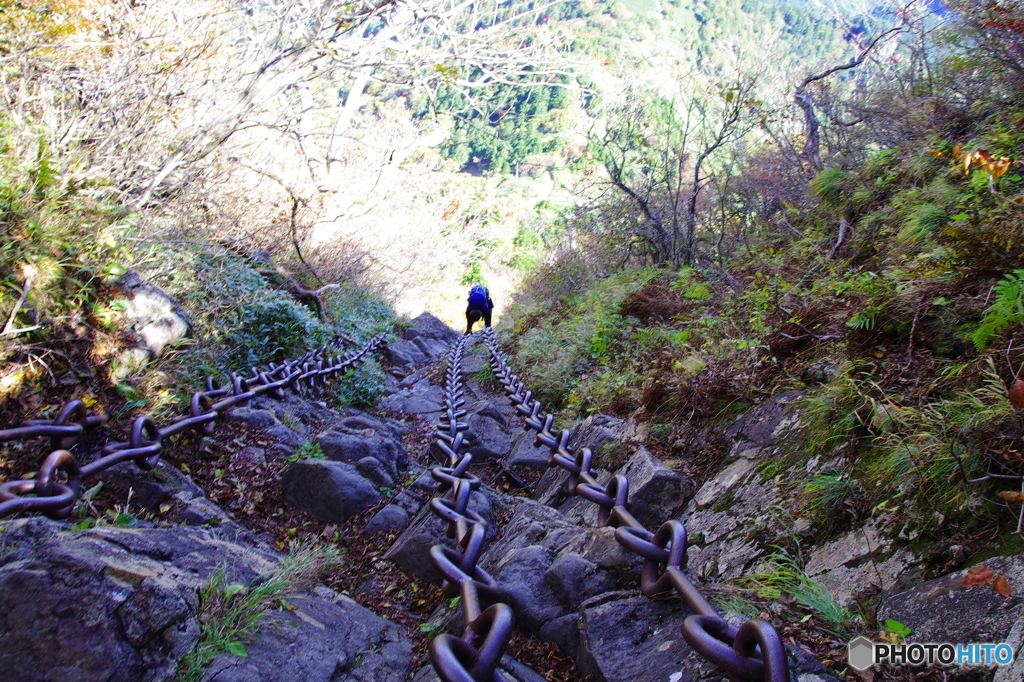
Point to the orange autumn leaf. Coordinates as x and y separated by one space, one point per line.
1017 394
978 576
1002 586
1012 496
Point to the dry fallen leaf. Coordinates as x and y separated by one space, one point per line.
1002 586
1012 496
979 575
1017 394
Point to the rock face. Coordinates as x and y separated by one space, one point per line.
330 491
944 610
122 604
326 638
488 435
428 338
547 566
720 517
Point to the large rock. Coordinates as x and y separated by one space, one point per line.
330 491
122 604
488 435
863 559
632 638
343 444
420 398
426 339
547 566
107 603
944 610
405 354
595 432
324 637
656 493
527 455
762 426
430 330
153 314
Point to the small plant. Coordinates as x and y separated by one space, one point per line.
829 497
230 612
307 450
783 574
1007 308
894 631
430 629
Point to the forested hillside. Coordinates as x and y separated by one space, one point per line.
682 209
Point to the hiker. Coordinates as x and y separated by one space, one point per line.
480 305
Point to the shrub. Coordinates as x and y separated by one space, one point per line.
362 386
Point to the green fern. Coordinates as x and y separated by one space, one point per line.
865 319
1006 309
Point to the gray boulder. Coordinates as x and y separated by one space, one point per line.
254 418
527 455
348 445
420 398
153 314
633 638
390 519
107 603
430 329
944 610
374 472
122 604
405 354
547 566
655 493
488 435
330 491
762 426
595 432
323 637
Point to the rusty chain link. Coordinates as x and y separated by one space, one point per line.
751 652
56 499
475 655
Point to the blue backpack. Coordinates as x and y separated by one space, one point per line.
478 297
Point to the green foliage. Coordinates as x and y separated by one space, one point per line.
358 312
307 450
827 495
55 238
362 386
830 185
497 129
271 331
581 341
781 573
1007 308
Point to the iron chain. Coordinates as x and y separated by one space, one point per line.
475 655
751 652
57 499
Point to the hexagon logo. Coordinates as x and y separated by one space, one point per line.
861 653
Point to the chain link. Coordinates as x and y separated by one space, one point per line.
56 499
751 652
475 655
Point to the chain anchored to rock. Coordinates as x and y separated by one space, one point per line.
475 655
47 494
751 652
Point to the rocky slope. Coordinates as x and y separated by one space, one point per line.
124 603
